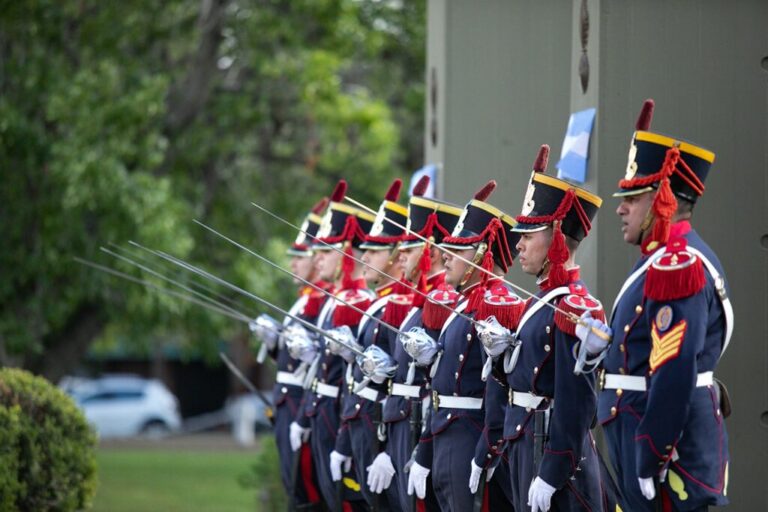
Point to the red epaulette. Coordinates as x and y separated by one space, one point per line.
675 274
504 305
438 307
357 301
576 303
397 309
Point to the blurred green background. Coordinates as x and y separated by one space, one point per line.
125 121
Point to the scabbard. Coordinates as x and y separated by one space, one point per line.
539 436
295 466
477 501
415 422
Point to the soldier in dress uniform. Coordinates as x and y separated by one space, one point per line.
288 390
672 320
361 435
343 227
457 418
552 458
429 221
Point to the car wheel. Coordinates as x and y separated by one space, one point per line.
155 429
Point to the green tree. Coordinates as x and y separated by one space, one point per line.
125 120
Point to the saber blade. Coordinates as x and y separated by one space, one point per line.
312 327
308 283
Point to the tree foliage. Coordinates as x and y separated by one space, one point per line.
126 120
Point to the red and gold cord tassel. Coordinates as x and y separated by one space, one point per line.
664 207
557 255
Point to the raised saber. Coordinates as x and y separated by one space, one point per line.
138 256
210 306
247 383
381 272
258 299
164 278
571 316
308 283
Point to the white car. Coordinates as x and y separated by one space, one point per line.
122 405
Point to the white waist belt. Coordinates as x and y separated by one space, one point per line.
459 402
637 383
367 393
288 378
404 390
528 400
326 390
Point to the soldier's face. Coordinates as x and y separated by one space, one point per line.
533 249
455 268
375 261
302 267
327 263
632 211
409 259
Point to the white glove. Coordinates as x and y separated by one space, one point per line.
593 343
474 475
647 487
337 460
417 480
297 435
380 473
540 495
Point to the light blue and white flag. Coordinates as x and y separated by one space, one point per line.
428 170
575 154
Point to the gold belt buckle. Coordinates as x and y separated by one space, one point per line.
435 400
389 387
314 386
510 396
601 380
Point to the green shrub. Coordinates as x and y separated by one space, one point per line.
47 460
264 477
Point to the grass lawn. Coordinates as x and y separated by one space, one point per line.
172 480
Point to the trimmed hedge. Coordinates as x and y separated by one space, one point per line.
47 460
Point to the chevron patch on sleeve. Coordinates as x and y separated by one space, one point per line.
666 345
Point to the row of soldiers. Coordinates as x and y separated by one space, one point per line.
437 384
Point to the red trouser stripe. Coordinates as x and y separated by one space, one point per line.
306 474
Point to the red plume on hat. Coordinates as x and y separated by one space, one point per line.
393 194
542 159
646 116
320 206
339 192
486 191
421 186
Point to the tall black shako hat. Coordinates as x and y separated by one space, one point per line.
554 202
428 218
343 227
670 166
302 246
482 224
389 225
